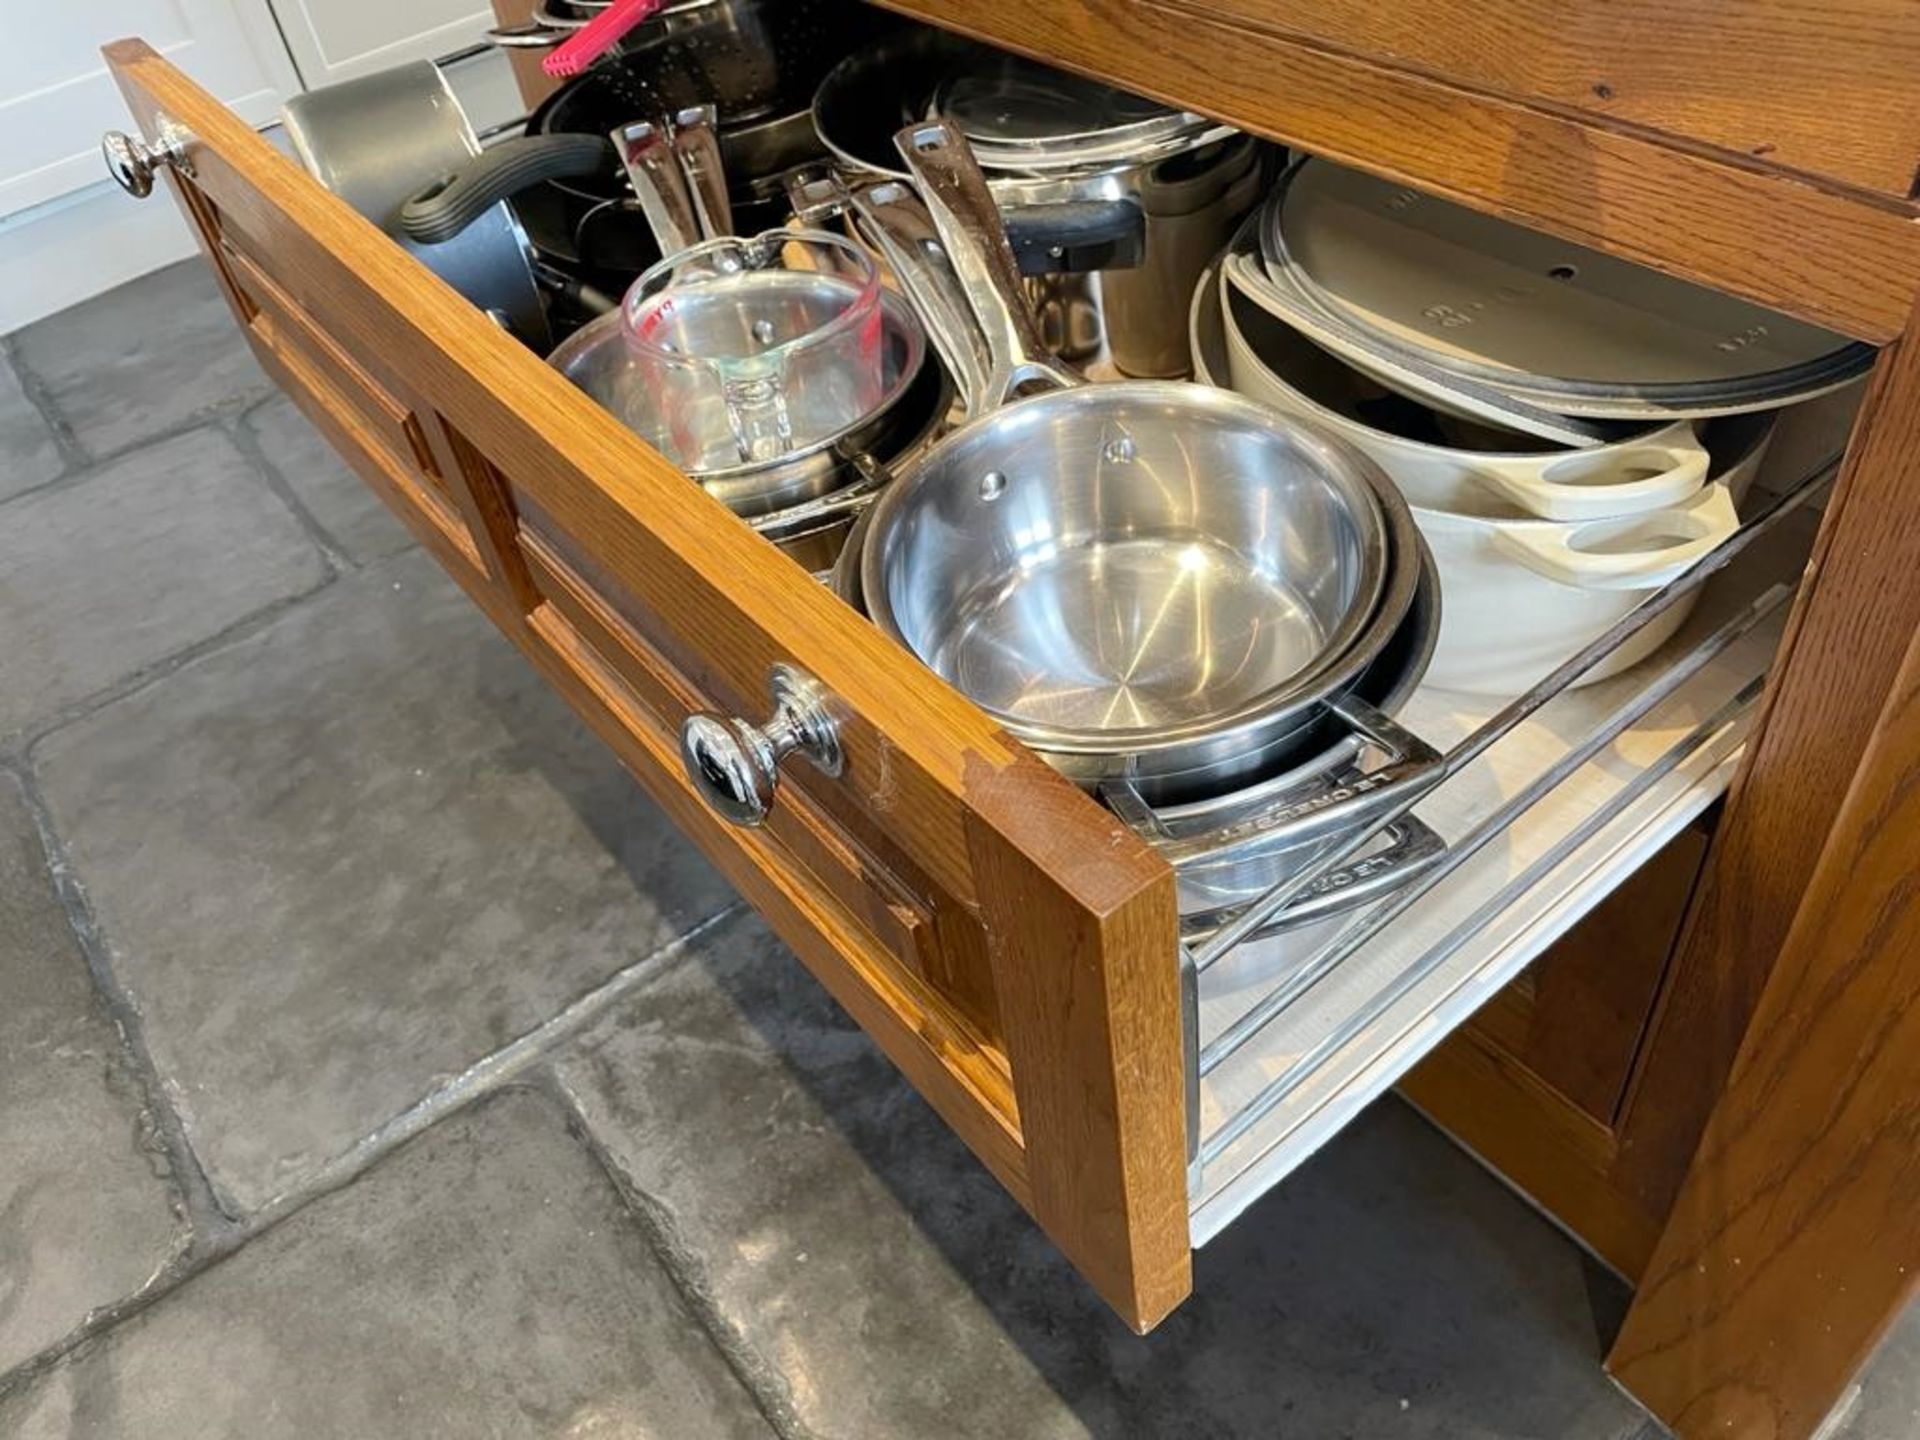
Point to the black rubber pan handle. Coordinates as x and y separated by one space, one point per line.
445 208
1077 236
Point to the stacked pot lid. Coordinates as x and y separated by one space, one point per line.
1485 318
1540 547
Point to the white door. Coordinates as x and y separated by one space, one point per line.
56 96
334 40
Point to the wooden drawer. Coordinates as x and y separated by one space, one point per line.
1012 945
1006 940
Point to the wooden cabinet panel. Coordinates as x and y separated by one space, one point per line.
1814 85
1576 1018
1044 1024
1711 217
1533 1084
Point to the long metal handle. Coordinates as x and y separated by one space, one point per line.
1280 1086
872 477
736 766
1490 826
533 35
891 219
970 229
647 156
697 144
1517 711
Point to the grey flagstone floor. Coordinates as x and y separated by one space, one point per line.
376 1061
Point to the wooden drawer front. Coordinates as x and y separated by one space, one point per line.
1008 942
386 431
926 932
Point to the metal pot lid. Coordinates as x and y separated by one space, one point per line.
1467 299
1021 115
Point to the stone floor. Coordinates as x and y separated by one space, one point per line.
378 1062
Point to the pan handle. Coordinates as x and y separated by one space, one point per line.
445 208
1592 484
533 35
970 229
1077 236
890 217
1326 811
1631 552
1411 848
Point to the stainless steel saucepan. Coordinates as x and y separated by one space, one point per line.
1229 848
1148 581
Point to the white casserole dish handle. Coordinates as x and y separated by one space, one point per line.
1585 485
1637 552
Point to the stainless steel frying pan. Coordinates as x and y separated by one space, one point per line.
1149 581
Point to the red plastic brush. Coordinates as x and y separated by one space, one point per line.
598 36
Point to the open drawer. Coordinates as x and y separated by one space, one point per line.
1012 945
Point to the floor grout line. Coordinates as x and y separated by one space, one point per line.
204 1215
21 743
73 455
491 1071
84 465
485 1077
247 442
760 1377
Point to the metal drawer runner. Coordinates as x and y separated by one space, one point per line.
1547 804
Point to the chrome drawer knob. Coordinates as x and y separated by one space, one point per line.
735 766
133 162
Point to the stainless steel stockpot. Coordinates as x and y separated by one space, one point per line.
1146 580
1090 180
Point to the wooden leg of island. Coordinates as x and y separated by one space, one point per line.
1793 1238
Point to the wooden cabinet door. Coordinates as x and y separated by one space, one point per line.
1008 942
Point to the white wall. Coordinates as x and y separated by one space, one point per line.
66 232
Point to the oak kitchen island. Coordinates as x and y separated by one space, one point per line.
1683 1021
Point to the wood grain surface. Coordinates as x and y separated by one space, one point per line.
1847 260
1845 639
1534 1082
1795 1240
1820 86
1081 1114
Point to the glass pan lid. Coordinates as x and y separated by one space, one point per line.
1020 114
